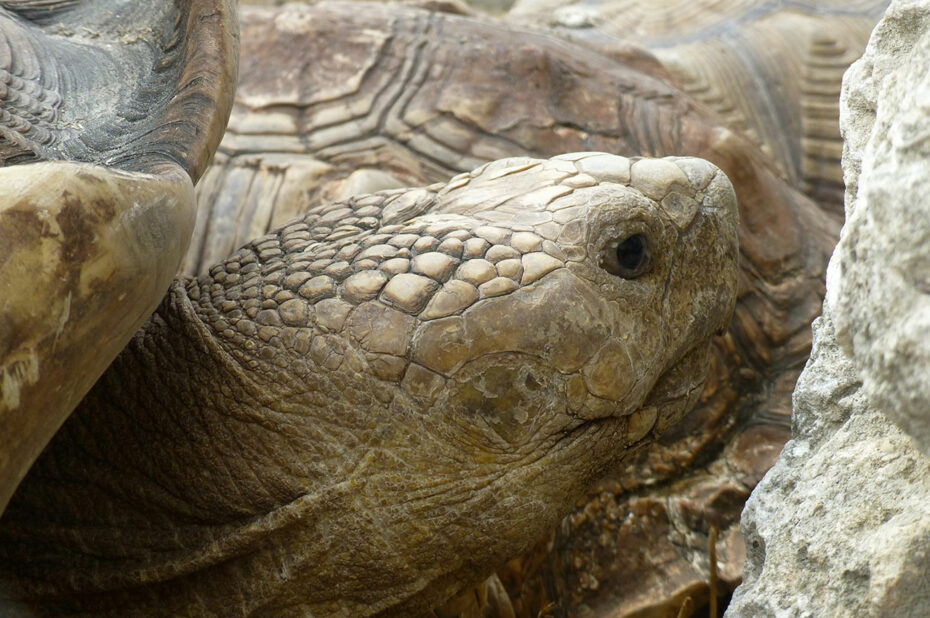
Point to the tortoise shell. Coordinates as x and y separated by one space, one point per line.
770 70
109 110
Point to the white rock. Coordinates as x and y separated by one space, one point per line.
881 294
841 525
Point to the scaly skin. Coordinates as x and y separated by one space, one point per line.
380 403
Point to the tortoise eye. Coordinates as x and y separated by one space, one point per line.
630 258
632 255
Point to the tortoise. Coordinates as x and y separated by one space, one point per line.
413 97
294 182
108 112
771 70
376 404
33 554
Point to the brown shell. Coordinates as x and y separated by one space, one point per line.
414 97
108 111
771 70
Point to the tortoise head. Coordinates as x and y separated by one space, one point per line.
597 297
573 327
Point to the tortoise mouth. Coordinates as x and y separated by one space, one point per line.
676 391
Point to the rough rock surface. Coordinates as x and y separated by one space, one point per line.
839 526
882 277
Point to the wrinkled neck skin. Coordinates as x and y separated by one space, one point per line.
217 478
299 433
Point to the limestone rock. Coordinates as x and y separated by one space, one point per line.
882 268
839 526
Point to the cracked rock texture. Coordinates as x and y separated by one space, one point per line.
882 269
839 526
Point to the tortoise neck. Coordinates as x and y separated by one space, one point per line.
167 397
159 456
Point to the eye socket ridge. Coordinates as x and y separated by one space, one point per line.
629 257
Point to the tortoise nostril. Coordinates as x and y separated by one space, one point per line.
632 256
531 383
